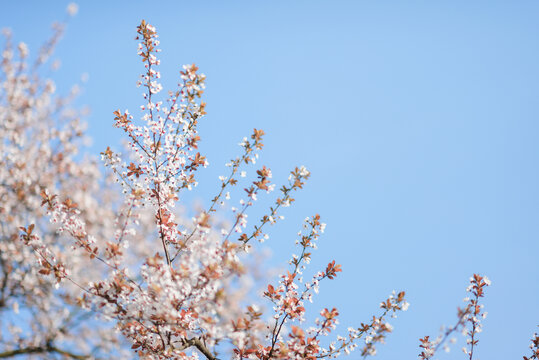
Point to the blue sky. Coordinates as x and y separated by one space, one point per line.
417 119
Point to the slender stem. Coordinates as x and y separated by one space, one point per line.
161 233
474 325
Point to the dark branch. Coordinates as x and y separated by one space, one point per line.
41 350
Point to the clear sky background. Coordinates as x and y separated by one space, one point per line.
418 119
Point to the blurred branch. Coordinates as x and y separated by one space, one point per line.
41 350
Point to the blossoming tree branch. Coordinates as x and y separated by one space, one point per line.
100 266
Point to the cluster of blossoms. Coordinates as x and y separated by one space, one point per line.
41 134
182 300
534 346
468 323
170 285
